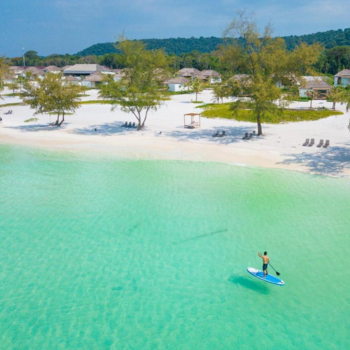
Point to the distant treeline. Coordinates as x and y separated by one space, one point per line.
172 46
200 52
178 46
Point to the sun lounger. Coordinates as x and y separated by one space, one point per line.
326 144
254 133
125 125
133 125
320 144
311 143
245 137
129 125
306 142
222 134
250 136
216 134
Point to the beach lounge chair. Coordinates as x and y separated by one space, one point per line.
129 125
306 142
254 133
320 144
326 144
8 112
223 133
250 136
216 134
125 125
311 143
245 137
133 125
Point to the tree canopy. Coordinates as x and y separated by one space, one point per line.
140 89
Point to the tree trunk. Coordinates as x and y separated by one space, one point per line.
196 95
334 105
61 120
259 125
58 119
310 103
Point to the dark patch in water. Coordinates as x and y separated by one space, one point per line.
201 236
117 288
248 283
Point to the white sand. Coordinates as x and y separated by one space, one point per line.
280 147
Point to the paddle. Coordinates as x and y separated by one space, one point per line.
277 273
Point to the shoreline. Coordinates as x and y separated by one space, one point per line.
153 148
95 129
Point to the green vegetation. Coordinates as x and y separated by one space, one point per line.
267 62
140 89
52 95
200 53
13 104
31 120
197 101
178 46
93 102
228 111
170 93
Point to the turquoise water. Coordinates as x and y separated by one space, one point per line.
98 253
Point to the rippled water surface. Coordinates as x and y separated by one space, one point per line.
98 253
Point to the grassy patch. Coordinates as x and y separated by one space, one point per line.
94 102
303 99
289 115
12 104
170 93
197 101
31 120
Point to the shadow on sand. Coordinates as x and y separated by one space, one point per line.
107 129
38 127
248 283
233 134
331 161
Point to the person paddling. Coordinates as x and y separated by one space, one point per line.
266 261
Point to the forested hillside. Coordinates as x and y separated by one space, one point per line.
179 46
174 46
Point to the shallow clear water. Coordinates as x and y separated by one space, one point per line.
98 253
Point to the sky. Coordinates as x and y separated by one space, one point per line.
69 26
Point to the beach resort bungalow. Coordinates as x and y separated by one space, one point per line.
35 72
72 79
177 84
342 78
93 80
211 76
85 69
52 69
314 84
188 73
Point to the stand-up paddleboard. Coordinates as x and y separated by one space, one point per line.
268 278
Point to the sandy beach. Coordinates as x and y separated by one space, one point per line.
166 138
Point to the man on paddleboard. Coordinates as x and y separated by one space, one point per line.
266 261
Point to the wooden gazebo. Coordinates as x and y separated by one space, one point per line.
193 124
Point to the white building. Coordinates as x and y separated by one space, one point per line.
314 84
177 84
342 78
211 76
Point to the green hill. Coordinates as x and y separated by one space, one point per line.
179 46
